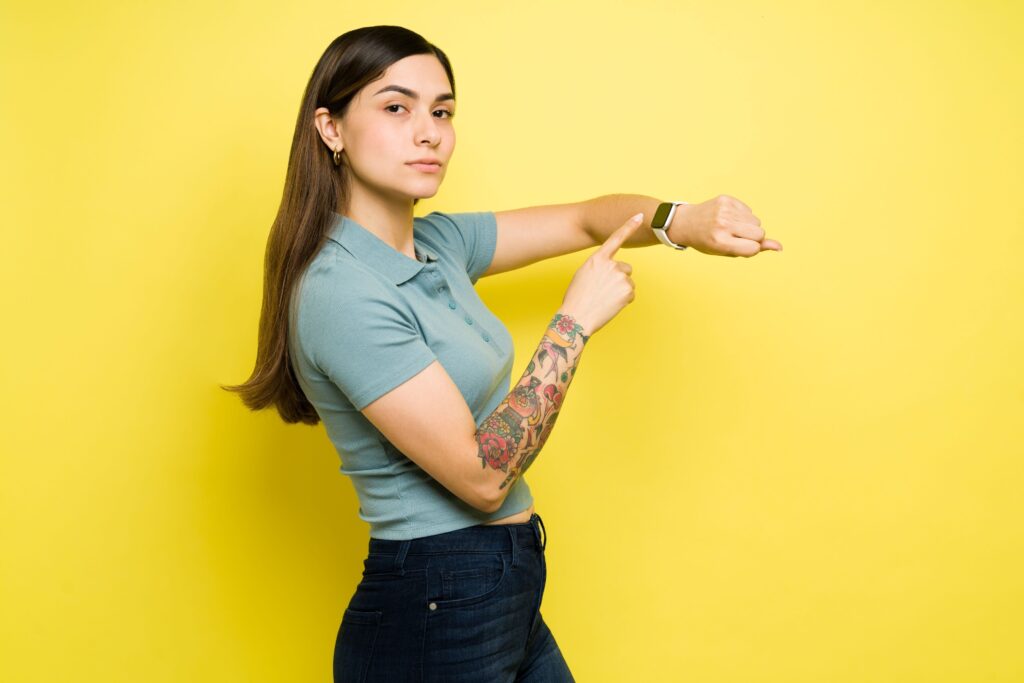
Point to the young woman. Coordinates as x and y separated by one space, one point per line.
371 324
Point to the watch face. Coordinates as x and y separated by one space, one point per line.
661 215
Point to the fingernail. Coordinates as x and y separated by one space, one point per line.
637 218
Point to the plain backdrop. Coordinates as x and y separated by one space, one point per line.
799 467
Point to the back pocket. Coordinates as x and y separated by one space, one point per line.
353 649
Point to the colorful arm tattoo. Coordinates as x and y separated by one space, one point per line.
511 437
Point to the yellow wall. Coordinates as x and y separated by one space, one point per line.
799 467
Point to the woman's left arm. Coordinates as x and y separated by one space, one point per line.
722 226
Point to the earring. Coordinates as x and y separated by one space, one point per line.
337 157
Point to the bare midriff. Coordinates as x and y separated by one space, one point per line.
518 518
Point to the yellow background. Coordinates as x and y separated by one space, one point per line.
799 467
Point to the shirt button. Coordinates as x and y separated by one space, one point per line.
469 321
486 338
451 305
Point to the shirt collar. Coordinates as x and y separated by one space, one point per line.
376 253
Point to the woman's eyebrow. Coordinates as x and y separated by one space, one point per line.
410 93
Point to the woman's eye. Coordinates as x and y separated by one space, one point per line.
450 114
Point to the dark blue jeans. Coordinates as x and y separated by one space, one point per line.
459 606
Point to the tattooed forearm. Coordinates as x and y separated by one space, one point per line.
511 437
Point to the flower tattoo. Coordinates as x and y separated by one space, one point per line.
510 438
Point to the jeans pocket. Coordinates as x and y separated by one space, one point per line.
353 649
382 568
469 581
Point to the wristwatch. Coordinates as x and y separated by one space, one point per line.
662 219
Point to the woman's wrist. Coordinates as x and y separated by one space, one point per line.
567 326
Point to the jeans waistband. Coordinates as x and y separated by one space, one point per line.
481 537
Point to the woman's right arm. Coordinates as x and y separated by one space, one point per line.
428 420
510 438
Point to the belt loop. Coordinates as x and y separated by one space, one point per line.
541 521
515 544
403 549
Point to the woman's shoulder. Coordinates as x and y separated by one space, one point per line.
334 268
336 281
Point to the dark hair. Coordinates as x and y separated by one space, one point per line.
313 189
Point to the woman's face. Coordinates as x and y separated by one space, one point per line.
385 128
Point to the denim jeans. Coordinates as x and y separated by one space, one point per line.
463 605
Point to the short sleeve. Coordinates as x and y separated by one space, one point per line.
472 235
365 343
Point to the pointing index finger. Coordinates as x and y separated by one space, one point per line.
615 240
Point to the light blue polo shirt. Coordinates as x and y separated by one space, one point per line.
365 319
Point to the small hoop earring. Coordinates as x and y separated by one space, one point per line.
337 157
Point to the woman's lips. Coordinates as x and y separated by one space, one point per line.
426 168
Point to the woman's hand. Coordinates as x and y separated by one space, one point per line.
723 226
602 286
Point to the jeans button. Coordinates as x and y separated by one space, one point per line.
433 605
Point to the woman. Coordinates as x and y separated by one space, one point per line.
370 322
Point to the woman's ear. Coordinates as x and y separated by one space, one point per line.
328 128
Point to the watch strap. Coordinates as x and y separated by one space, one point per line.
661 232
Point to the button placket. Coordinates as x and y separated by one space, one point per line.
439 282
441 287
483 333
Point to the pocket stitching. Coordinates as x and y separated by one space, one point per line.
460 602
392 575
356 616
364 618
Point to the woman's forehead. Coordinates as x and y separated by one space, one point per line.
417 77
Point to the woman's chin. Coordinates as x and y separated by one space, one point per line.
425 194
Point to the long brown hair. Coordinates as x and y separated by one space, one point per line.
314 188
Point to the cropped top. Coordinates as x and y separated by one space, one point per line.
366 318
